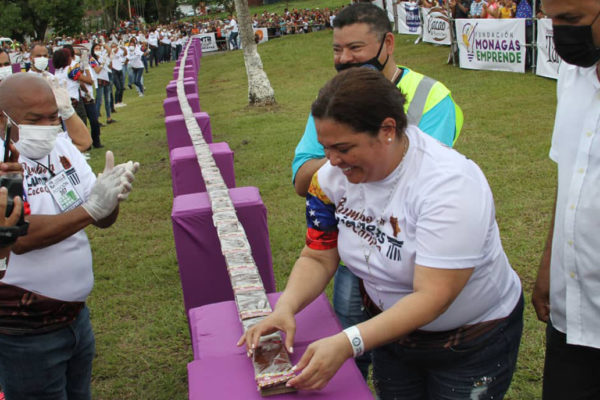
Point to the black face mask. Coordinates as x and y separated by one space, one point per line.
575 44
373 63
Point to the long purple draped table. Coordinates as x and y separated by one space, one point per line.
202 268
221 370
172 107
192 61
177 134
190 86
185 169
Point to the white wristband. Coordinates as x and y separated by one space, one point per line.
356 341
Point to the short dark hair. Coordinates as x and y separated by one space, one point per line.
70 48
60 58
365 13
361 98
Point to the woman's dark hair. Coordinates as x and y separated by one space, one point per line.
361 98
61 58
92 51
70 48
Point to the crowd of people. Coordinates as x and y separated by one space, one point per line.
98 67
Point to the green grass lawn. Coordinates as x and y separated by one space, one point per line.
143 343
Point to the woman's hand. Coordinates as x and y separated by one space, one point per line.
282 319
321 360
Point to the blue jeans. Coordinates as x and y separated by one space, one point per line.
50 366
233 40
347 304
103 92
481 368
137 78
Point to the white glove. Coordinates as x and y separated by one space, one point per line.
104 196
127 177
85 60
61 94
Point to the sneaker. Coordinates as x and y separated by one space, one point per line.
119 105
101 126
130 87
86 155
98 146
111 121
141 94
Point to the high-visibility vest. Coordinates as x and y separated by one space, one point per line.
422 94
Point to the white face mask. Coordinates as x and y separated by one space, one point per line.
36 141
5 72
40 63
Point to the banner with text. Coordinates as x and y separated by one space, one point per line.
209 41
548 60
409 20
436 26
491 44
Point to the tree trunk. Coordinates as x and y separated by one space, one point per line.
260 92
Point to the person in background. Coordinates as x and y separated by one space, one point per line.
5 65
102 68
117 57
476 10
233 29
566 295
136 64
76 129
87 84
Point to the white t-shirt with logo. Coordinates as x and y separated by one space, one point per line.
440 215
62 271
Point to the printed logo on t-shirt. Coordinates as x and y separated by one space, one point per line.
69 170
369 228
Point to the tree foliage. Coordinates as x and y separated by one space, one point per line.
34 17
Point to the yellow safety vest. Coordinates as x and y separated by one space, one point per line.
422 94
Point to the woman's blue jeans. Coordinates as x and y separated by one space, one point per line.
137 78
103 92
481 368
50 366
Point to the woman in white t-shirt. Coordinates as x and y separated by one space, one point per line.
415 221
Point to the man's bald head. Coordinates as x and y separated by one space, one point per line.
23 91
28 99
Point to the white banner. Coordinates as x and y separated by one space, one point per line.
548 60
388 7
261 34
209 41
436 26
492 44
409 20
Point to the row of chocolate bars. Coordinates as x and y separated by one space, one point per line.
272 365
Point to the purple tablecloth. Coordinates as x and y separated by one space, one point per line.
185 170
172 107
202 268
189 85
222 370
188 71
177 134
215 328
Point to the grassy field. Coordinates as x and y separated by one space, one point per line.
137 308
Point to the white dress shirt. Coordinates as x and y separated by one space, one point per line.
575 262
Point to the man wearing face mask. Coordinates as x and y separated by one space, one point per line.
362 37
566 294
46 339
74 126
5 65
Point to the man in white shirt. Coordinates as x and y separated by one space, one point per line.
46 338
233 33
567 292
153 43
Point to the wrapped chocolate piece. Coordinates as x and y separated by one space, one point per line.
250 322
245 279
229 226
252 304
234 242
272 365
238 258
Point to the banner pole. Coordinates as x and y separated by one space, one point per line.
454 43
